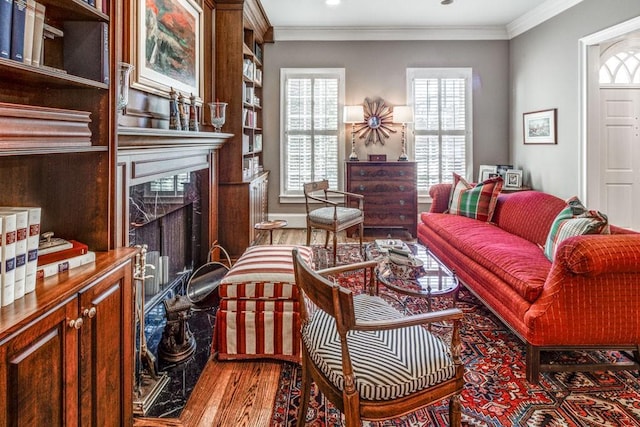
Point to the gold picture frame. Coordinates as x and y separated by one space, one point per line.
167 47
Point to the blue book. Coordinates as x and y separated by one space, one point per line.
17 29
6 12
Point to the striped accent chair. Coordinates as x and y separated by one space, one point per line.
258 315
367 358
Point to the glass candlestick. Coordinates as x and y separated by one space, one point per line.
124 70
218 112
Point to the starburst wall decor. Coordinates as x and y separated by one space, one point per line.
378 122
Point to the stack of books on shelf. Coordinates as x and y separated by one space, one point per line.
19 238
61 256
24 257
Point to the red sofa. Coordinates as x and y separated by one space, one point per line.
588 298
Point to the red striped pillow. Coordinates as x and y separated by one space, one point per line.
477 201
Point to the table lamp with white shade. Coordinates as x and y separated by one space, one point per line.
353 114
403 114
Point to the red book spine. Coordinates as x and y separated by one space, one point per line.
77 249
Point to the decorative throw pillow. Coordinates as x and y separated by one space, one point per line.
574 220
477 201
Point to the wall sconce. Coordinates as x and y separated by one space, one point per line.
403 114
353 114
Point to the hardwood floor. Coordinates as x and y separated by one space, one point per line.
241 394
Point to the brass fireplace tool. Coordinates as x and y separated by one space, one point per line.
148 382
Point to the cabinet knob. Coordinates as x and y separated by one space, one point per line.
401 187
402 202
76 323
362 172
89 312
402 217
362 188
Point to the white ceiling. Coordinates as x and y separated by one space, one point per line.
408 19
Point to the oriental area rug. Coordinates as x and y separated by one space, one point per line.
496 391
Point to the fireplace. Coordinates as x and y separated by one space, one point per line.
166 203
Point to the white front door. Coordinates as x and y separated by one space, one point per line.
620 156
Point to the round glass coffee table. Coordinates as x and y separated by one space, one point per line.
431 279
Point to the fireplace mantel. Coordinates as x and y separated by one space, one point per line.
137 138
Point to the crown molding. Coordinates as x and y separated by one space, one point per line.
538 15
389 33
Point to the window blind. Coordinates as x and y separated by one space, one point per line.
311 123
442 117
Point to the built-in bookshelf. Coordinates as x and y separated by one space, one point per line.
242 28
67 346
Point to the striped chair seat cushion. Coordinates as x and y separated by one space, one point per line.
387 364
263 272
325 215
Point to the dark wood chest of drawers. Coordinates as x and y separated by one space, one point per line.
390 193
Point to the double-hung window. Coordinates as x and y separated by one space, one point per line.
441 99
311 128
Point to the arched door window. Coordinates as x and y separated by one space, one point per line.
621 64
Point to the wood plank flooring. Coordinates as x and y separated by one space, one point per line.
241 394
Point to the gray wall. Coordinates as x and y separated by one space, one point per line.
378 69
545 74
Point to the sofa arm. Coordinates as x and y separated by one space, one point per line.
439 197
596 254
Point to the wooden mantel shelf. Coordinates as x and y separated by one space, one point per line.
136 138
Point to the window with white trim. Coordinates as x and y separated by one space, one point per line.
311 127
442 140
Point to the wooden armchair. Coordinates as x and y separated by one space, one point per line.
331 216
368 359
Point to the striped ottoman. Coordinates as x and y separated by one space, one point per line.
258 315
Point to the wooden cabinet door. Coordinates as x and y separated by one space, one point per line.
106 350
39 385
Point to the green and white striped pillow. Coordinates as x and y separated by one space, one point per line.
574 220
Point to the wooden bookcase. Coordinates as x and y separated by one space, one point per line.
68 346
241 29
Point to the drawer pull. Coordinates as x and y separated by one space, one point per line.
401 187
362 188
402 217
89 312
402 202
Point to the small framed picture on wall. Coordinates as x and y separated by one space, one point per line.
540 127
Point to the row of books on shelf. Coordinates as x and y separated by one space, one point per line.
249 95
24 257
23 31
251 72
249 118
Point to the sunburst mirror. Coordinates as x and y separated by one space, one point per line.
378 122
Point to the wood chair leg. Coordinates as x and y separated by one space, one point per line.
305 391
361 232
455 411
351 404
533 364
308 235
335 247
326 239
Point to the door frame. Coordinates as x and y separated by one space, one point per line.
589 131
